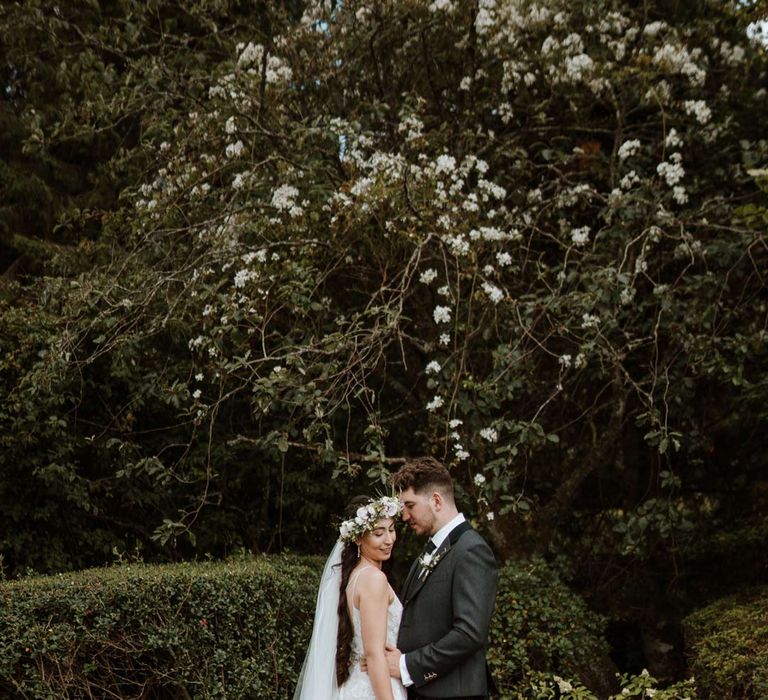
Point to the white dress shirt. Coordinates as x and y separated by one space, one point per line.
438 538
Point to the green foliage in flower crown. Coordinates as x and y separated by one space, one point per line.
728 646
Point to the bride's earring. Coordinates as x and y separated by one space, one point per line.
358 551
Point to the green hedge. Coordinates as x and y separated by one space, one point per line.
540 625
235 629
727 644
215 630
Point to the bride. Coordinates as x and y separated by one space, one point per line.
357 612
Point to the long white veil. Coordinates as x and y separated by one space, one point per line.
317 680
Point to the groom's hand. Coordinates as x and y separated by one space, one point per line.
393 660
393 655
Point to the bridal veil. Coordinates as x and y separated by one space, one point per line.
317 680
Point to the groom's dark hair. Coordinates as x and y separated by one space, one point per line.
424 474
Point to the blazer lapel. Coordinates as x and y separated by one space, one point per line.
409 579
413 583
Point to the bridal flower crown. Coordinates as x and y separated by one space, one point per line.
367 516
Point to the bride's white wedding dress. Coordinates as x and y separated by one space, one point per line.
358 685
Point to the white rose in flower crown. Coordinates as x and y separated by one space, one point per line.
392 507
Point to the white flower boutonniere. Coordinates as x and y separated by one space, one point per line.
427 562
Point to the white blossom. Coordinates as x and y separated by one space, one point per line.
673 139
580 236
428 276
250 54
493 292
240 181
196 394
433 367
479 479
489 434
445 339
455 422
678 60
436 402
199 377
458 244
284 199
445 164
699 109
672 171
629 180
590 320
231 126
732 54
411 126
679 194
442 314
490 515
628 149
504 259
243 277
235 150
627 295
578 67
653 28
565 361
441 6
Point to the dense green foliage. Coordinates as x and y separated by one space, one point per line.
238 629
540 625
546 686
728 646
226 630
255 254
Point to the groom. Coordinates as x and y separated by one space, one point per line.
448 596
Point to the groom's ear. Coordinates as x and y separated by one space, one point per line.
437 500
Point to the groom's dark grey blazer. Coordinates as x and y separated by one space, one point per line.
446 615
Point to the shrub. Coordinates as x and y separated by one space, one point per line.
235 629
545 686
728 646
540 625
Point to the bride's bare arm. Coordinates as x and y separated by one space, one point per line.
373 590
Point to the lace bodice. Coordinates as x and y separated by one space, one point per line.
358 685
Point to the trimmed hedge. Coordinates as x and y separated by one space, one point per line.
235 629
727 645
540 625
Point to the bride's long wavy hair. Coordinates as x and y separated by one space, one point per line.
346 631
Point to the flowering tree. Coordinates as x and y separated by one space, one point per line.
522 236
